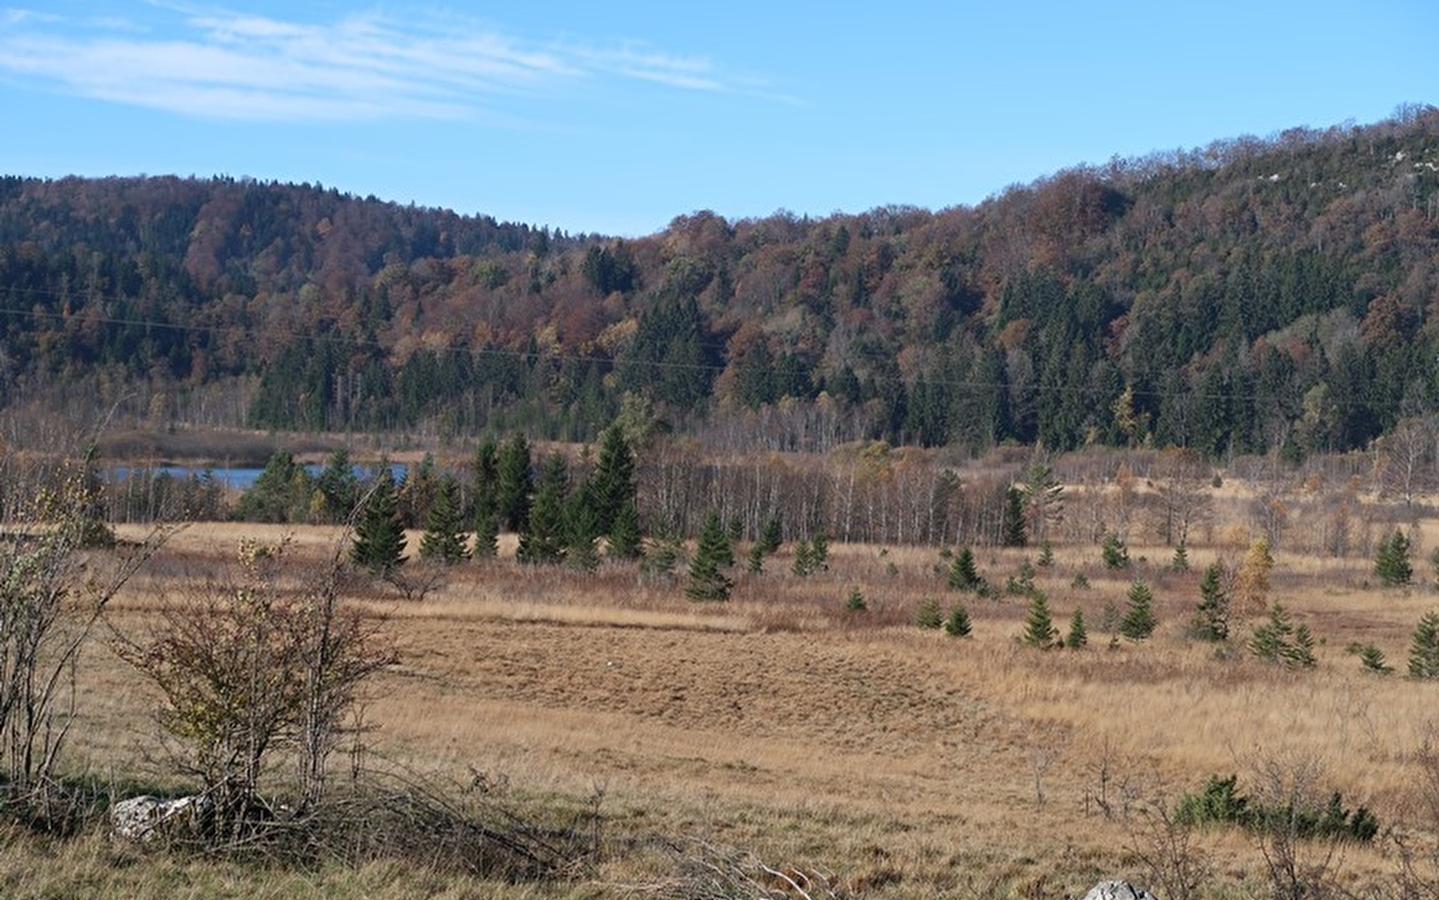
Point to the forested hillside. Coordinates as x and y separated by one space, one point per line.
1253 295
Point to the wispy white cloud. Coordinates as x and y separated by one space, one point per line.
228 65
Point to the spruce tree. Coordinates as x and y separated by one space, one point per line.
819 552
1078 635
755 565
1114 553
1138 621
1300 652
542 539
770 536
487 482
1272 640
1039 630
963 576
957 624
582 529
625 537
1424 651
1012 531
713 556
1371 659
379 542
1180 562
444 541
855 601
614 478
1391 563
514 484
929 616
1211 616
487 536
339 487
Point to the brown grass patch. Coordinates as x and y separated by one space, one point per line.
851 741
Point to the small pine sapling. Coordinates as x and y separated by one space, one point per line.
1039 630
855 601
1424 649
1138 622
1078 636
1114 553
957 624
929 616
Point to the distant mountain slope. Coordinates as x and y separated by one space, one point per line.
1255 294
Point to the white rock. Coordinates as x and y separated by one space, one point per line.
142 818
1118 890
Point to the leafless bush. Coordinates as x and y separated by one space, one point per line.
1298 867
54 586
249 671
704 871
1169 849
443 827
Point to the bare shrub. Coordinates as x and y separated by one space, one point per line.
249 670
1169 849
55 583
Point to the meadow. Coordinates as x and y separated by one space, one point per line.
784 731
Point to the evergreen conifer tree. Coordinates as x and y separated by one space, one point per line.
929 616
514 484
1424 650
444 540
1269 640
963 576
542 539
1039 630
957 624
819 552
770 536
1211 616
1012 531
1114 553
855 601
614 478
339 487
625 537
379 542
1391 562
713 556
1078 635
1371 658
1138 621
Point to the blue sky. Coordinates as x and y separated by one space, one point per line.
616 117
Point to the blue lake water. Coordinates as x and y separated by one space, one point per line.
238 478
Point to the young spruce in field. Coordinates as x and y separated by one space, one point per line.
1078 635
1138 621
713 556
957 625
1039 630
1424 651
1391 562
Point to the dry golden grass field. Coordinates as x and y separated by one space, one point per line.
900 762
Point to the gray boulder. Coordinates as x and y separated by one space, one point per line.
1118 890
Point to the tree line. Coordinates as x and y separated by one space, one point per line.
1253 296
